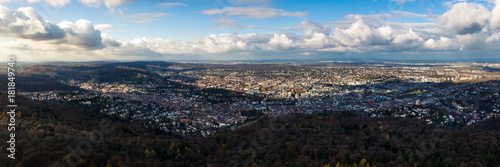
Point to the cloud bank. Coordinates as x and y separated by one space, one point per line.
465 26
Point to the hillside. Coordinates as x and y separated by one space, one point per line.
97 72
62 135
35 83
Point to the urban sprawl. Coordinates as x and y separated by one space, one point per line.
203 100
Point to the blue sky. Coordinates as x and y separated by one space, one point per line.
129 30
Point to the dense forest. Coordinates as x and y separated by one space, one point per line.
35 83
97 72
51 134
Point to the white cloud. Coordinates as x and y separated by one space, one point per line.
493 38
113 3
82 33
474 41
493 41
465 18
220 43
443 43
495 16
92 3
280 41
425 30
209 44
253 12
359 34
108 28
102 27
407 40
317 41
364 37
25 23
107 41
385 32
309 27
29 34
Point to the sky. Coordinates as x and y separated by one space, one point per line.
240 30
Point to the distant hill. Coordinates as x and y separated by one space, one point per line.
99 72
35 83
131 71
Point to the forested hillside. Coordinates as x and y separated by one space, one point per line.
50 134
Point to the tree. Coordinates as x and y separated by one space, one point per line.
109 164
362 162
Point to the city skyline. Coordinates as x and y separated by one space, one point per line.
235 30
